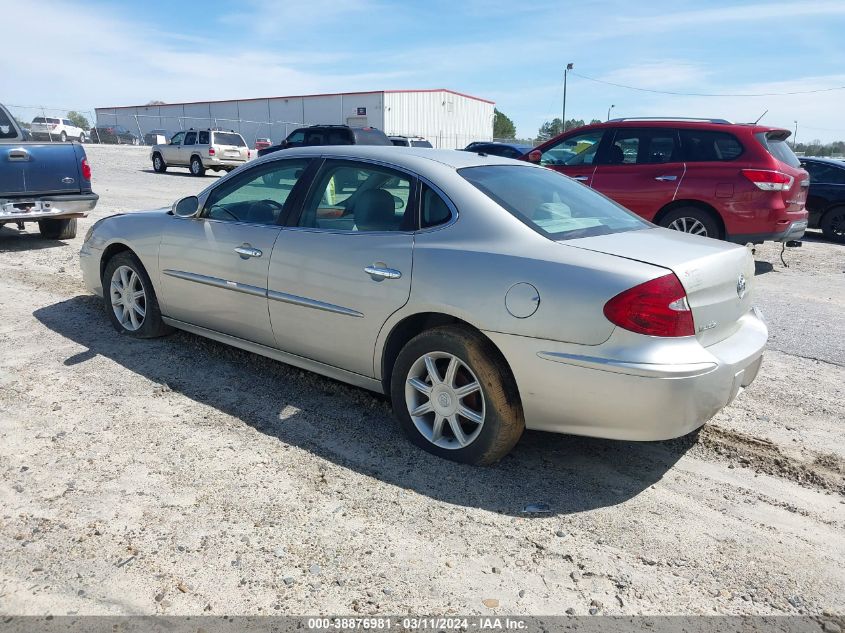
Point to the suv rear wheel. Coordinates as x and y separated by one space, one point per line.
57 229
691 220
196 166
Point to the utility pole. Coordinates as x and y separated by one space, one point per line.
795 136
569 67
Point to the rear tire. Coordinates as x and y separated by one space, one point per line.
57 229
196 167
692 220
832 224
479 426
159 165
127 290
82 138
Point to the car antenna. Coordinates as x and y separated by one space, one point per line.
760 117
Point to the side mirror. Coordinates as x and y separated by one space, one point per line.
534 156
187 207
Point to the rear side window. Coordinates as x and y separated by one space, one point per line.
203 138
399 142
550 203
370 136
228 138
435 211
49 120
707 146
641 146
775 144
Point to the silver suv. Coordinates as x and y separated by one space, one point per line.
199 150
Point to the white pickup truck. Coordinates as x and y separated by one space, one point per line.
48 183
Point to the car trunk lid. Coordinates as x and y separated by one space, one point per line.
718 277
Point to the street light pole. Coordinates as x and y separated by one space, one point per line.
569 67
795 136
608 111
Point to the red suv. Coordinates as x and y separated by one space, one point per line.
710 177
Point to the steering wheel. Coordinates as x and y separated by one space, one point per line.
224 210
272 203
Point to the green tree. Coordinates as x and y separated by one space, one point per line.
503 127
553 128
78 120
595 121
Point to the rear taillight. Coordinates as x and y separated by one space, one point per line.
769 180
248 154
657 308
211 151
86 169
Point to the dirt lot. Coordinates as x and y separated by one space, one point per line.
181 476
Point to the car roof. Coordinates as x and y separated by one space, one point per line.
413 158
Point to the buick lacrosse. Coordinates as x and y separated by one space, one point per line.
481 294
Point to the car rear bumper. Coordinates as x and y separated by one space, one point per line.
59 206
222 162
631 387
792 231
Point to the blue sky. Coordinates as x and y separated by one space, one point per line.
122 53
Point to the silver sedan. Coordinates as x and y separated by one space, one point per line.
483 295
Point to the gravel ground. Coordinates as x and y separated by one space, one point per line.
181 476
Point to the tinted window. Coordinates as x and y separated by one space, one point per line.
775 143
399 142
67 122
177 138
434 209
362 198
420 144
38 119
204 138
296 138
370 136
49 120
258 196
7 130
704 145
578 149
821 173
228 138
191 138
641 146
550 203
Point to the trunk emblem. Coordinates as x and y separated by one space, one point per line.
741 286
67 180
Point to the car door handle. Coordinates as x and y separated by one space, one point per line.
666 178
382 273
247 251
581 178
18 154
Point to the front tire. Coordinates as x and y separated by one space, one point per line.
159 165
129 298
692 220
57 229
454 396
833 224
196 167
63 136
82 138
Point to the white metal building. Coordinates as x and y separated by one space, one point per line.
447 118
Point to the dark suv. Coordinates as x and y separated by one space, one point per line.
330 135
710 177
826 202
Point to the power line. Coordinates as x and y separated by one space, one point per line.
705 94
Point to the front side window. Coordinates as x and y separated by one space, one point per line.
258 196
191 138
296 139
67 122
578 149
550 203
356 197
177 138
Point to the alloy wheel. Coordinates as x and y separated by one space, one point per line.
689 225
445 400
128 299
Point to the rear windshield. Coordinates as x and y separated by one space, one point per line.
370 136
775 143
7 130
420 144
550 203
228 138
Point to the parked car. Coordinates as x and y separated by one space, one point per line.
113 134
484 295
409 141
261 143
198 150
826 199
156 137
42 182
55 129
495 148
330 135
736 182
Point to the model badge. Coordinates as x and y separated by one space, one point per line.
741 286
709 326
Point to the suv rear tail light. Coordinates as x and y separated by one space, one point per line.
211 151
769 180
657 308
86 169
